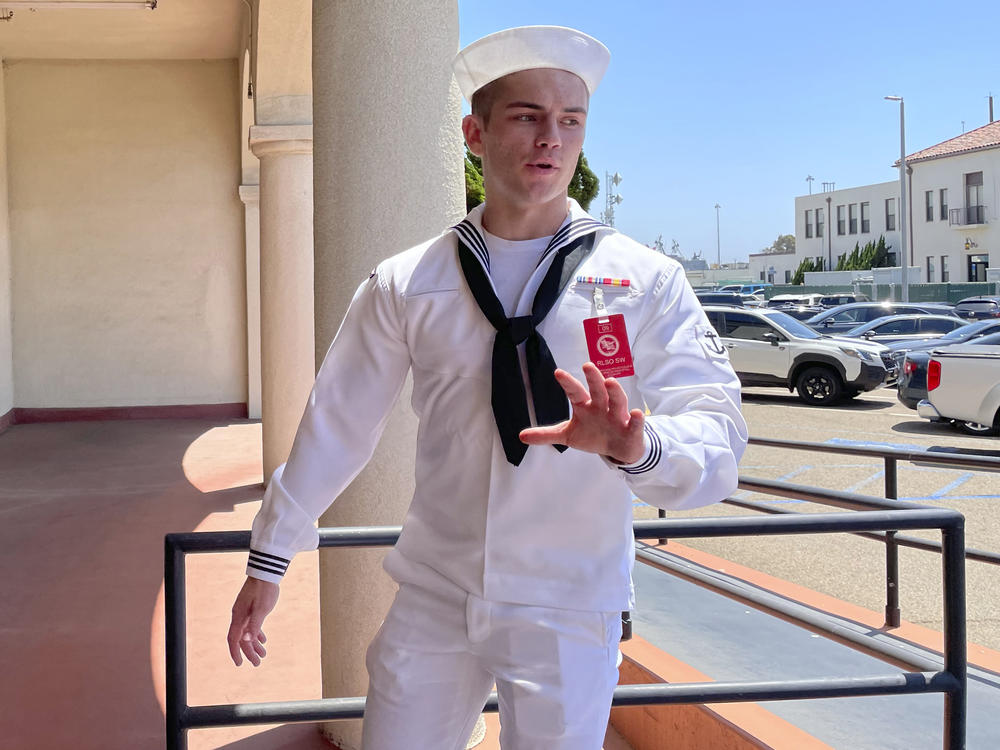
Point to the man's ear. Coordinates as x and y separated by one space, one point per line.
472 129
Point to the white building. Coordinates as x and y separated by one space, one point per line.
954 201
954 229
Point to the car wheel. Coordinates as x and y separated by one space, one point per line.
819 386
974 428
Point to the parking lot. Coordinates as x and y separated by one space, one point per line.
849 567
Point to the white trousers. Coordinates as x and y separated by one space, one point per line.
439 653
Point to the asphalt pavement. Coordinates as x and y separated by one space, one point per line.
848 567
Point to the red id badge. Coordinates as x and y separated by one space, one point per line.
607 342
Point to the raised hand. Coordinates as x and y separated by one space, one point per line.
601 421
254 602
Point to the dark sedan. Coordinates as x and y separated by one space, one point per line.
895 328
978 308
961 335
912 384
845 317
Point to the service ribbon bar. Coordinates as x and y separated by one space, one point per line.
602 281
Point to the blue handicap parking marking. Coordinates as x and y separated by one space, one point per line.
941 493
952 485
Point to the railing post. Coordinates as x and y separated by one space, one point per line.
892 613
660 513
955 659
175 625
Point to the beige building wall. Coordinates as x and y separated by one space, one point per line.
127 233
6 348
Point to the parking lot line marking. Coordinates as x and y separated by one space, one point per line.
857 485
952 485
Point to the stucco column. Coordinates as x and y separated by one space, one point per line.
388 174
250 195
286 283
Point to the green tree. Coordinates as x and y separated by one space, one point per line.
872 255
784 244
806 266
474 191
583 188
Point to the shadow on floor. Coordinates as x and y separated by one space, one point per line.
83 511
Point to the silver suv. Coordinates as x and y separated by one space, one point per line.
770 348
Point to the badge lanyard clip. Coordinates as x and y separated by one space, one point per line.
602 311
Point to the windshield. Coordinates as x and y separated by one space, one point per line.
791 325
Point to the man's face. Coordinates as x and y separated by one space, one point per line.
533 137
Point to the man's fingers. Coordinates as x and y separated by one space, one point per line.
576 392
595 383
617 401
258 646
545 435
247 646
636 420
233 637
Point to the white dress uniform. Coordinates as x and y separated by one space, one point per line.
512 574
554 532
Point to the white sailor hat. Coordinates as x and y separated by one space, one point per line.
528 47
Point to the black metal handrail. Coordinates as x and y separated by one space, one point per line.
892 540
951 680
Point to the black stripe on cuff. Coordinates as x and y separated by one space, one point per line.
268 563
655 451
265 568
270 557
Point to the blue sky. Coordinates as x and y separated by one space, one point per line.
736 103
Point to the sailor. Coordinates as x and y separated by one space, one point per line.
538 338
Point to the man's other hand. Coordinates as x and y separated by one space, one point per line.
254 602
601 421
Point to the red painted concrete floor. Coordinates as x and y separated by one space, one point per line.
84 508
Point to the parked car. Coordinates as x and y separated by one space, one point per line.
895 328
963 385
800 312
719 298
835 300
745 288
977 308
793 300
911 387
968 333
770 348
845 317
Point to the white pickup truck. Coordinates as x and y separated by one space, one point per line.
963 385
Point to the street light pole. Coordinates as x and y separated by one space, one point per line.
903 205
718 243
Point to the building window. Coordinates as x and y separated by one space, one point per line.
930 269
890 258
943 195
841 222
945 274
788 277
890 214
761 275
809 223
974 212
929 205
852 218
866 224
820 222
